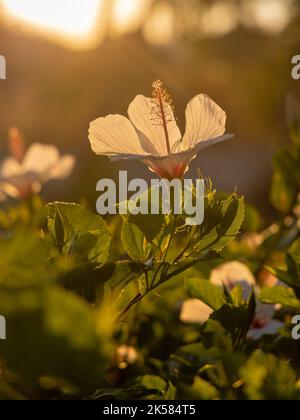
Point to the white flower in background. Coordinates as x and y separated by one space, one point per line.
151 133
126 355
195 311
263 322
25 171
231 275
252 239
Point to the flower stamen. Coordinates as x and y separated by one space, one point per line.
162 109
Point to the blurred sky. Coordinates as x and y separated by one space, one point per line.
70 61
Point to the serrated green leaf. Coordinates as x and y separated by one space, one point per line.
222 222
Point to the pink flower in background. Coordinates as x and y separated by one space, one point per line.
231 275
151 133
25 171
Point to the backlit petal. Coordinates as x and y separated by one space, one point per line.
271 328
10 167
63 169
114 135
205 120
145 116
40 158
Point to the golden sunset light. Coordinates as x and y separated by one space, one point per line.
75 22
127 14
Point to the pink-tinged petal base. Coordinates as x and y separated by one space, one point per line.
175 165
171 167
166 172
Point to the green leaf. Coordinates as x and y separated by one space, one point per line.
87 280
143 286
233 319
134 242
286 180
119 276
293 262
149 224
158 385
236 319
237 295
201 390
208 293
78 232
222 222
280 295
232 217
291 274
112 394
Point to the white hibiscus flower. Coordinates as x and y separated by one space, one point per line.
151 133
195 311
231 275
264 322
25 171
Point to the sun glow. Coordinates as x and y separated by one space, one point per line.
127 14
71 20
76 22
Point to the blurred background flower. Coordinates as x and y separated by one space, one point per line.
71 61
26 170
231 275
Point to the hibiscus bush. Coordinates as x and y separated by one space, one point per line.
147 306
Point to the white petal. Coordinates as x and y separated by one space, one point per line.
265 311
115 136
271 328
63 169
40 158
205 121
144 115
233 274
203 144
194 311
8 190
10 167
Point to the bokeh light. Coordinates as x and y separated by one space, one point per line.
71 20
128 14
